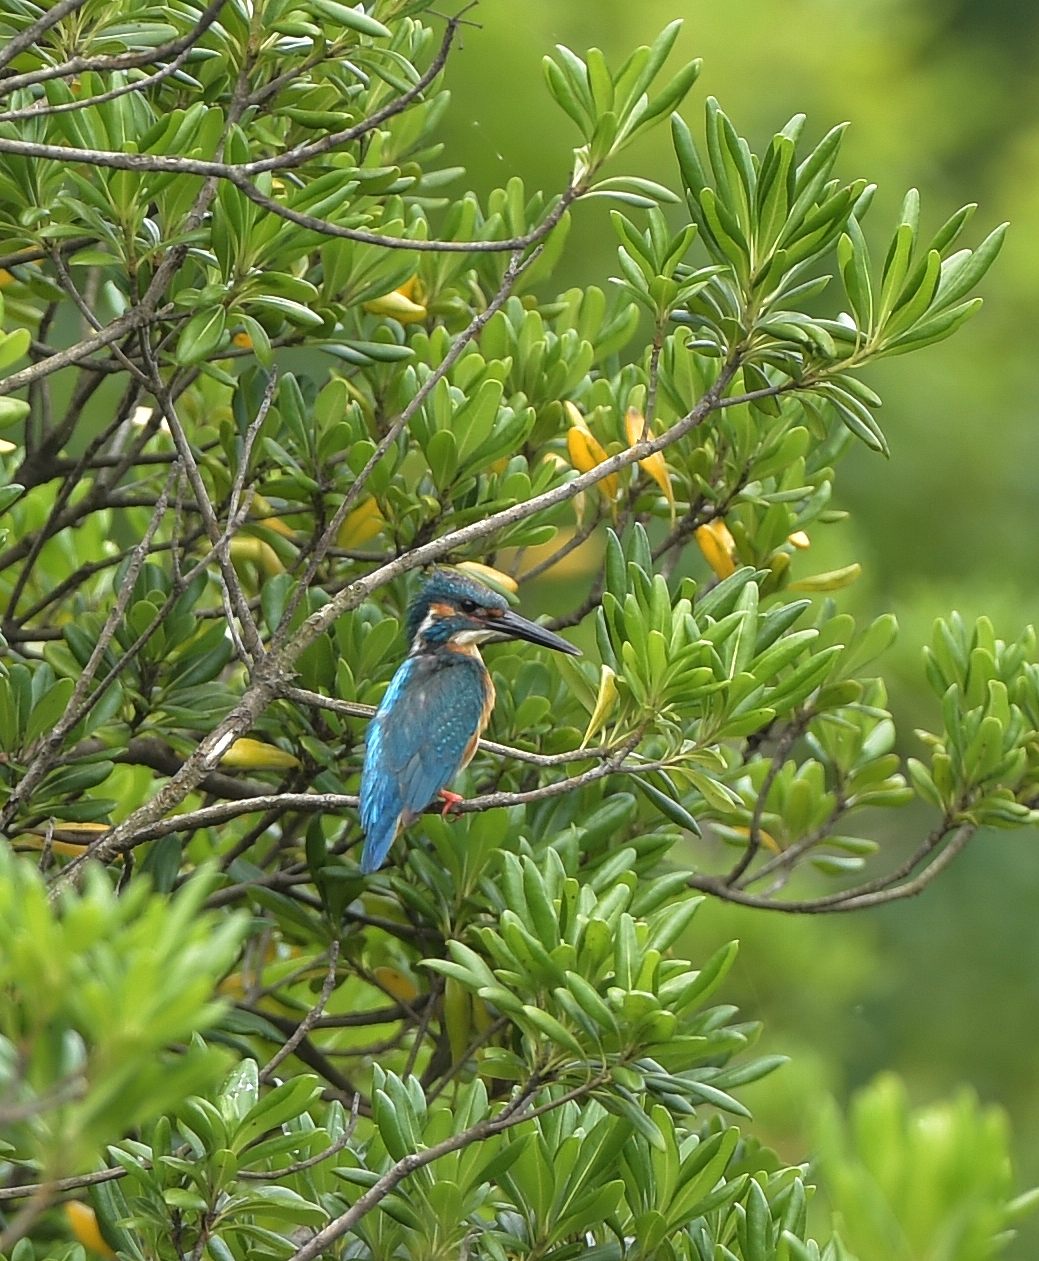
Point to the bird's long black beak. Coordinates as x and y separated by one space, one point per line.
516 627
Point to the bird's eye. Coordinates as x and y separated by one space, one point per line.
468 606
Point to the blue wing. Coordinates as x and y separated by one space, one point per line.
417 742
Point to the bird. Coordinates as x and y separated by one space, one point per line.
437 705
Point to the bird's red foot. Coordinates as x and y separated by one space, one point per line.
450 800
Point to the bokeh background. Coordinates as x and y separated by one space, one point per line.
944 95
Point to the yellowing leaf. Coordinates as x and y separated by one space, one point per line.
799 539
246 754
361 524
484 573
587 452
396 983
718 547
262 512
578 561
779 564
67 839
398 305
655 465
83 1224
411 288
766 838
605 703
232 986
832 580
258 552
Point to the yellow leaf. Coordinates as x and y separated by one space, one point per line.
361 524
398 305
396 983
718 547
232 986
655 465
260 553
605 703
411 288
587 452
83 1224
262 512
799 539
483 1019
484 573
7 447
779 564
579 562
766 838
5 278
832 580
255 755
67 839
243 340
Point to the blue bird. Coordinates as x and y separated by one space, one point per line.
436 706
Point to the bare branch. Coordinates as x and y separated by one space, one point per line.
47 751
890 888
518 1110
232 587
119 61
336 139
308 1021
19 43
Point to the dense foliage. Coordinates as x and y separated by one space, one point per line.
264 360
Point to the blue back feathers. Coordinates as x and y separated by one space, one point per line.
430 715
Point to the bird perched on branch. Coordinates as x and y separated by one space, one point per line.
437 705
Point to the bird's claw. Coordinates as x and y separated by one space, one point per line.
450 800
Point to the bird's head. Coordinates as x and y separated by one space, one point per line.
454 609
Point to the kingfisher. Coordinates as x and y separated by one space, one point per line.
437 705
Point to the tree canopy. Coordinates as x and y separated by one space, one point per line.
266 359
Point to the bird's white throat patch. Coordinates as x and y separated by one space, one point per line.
466 637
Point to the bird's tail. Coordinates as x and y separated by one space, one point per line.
377 844
382 813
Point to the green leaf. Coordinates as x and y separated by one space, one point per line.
201 336
49 709
13 346
352 19
12 411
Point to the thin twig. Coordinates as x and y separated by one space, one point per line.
517 1111
786 742
118 61
231 585
298 1166
25 39
307 1023
889 888
47 750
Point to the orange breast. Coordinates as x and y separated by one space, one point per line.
488 706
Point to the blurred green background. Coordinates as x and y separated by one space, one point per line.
942 94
